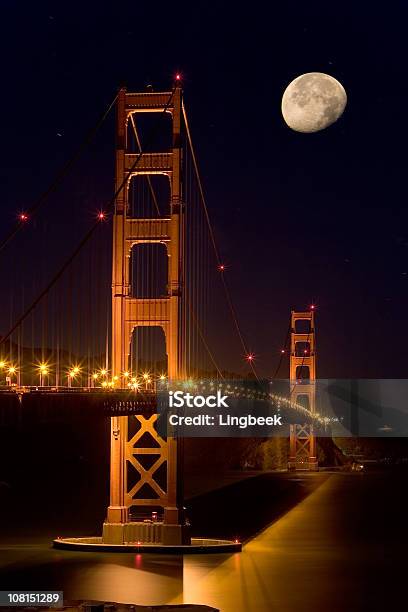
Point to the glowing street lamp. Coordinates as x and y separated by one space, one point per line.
147 379
43 372
94 378
72 374
11 371
2 365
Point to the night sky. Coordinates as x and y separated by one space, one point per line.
299 217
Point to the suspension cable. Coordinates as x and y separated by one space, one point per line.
58 178
190 305
206 346
216 252
85 239
283 351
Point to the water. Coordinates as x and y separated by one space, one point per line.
342 547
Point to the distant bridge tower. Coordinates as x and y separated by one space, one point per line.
303 452
133 480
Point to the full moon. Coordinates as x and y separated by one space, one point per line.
313 101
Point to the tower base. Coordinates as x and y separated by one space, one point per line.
305 466
197 546
145 533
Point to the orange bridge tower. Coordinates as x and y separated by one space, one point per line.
303 452
144 466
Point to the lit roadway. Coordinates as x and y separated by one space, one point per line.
342 548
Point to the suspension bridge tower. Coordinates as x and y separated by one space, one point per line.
144 466
303 452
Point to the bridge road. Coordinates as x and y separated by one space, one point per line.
342 548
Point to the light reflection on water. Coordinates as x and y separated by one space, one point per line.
147 582
327 553
124 578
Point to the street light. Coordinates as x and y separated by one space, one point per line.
72 374
2 364
43 371
94 378
11 372
146 378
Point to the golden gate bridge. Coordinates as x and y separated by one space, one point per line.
139 303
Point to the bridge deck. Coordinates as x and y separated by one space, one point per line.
58 403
